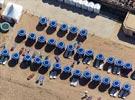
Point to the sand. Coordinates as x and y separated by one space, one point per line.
15 86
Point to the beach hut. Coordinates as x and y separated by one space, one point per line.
118 65
53 24
99 60
64 27
97 8
69 51
41 39
73 30
127 68
43 21
91 6
61 46
89 55
125 91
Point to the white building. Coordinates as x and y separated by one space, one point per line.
12 12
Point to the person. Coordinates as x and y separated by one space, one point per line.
30 76
85 96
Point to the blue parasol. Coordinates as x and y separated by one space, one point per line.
110 60
80 51
77 73
64 27
119 63
100 57
53 24
83 33
32 36
46 64
87 74
57 66
106 80
89 53
5 52
21 33
27 57
96 77
67 69
116 84
15 56
61 45
126 87
52 41
127 66
41 39
37 60
70 47
43 20
73 29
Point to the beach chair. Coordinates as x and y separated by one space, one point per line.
115 94
97 64
53 75
74 82
109 69
118 71
121 93
113 91
101 66
114 71
5 61
126 93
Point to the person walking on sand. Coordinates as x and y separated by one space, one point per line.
85 96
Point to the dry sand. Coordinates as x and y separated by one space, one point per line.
14 85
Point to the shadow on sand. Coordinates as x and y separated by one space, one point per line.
61 34
19 39
125 38
39 45
93 85
29 43
12 63
50 30
49 48
71 36
64 76
43 70
57 51
83 81
40 27
103 88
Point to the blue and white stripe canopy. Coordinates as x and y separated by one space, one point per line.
126 87
100 57
43 20
64 27
21 32
53 23
67 69
116 84
41 39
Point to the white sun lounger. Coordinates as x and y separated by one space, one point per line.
88 63
101 66
113 91
53 75
74 82
4 62
109 70
97 64
115 94
118 71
